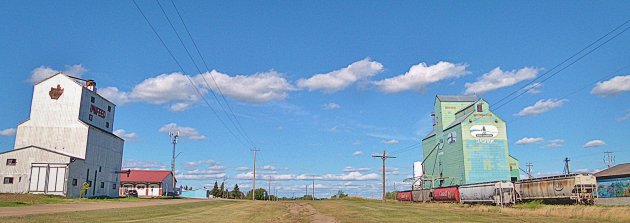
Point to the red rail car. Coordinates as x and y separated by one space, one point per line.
446 194
404 196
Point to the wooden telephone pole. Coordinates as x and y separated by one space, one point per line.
254 186
383 157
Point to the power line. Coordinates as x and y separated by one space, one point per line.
564 61
182 69
238 130
405 149
238 123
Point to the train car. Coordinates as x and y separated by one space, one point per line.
446 194
404 196
422 195
567 189
500 193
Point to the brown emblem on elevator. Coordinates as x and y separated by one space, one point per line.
55 93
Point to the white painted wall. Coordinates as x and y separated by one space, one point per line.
21 171
53 123
64 125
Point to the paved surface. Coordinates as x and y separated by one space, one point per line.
87 206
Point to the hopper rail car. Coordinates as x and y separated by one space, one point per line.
566 189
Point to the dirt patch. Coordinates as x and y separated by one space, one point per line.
57 208
304 212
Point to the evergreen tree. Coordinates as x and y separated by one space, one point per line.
215 190
222 189
237 192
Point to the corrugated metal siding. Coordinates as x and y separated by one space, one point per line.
485 158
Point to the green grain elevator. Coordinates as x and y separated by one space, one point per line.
468 144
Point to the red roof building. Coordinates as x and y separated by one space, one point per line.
148 183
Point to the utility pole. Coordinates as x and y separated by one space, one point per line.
384 157
394 185
609 158
529 170
306 192
313 187
254 186
173 135
269 193
567 171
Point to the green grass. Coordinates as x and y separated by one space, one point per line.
12 204
210 211
12 200
15 200
531 205
345 210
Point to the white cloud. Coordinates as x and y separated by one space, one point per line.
114 95
333 129
176 89
330 106
357 153
527 140
421 75
594 143
257 88
351 176
541 106
8 132
195 164
201 175
144 165
357 142
390 142
242 168
188 132
533 88
129 136
340 79
268 167
43 72
392 170
498 78
612 87
352 169
555 143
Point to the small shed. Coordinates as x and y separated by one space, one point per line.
614 181
148 183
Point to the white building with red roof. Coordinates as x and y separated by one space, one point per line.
148 183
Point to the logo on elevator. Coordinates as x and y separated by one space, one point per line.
484 131
55 93
97 111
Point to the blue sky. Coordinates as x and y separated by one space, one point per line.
314 82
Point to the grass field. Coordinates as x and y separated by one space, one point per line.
17 200
351 210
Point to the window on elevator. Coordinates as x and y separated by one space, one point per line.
8 180
11 162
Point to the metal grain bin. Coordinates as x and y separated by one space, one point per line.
574 188
404 196
446 194
423 195
499 193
